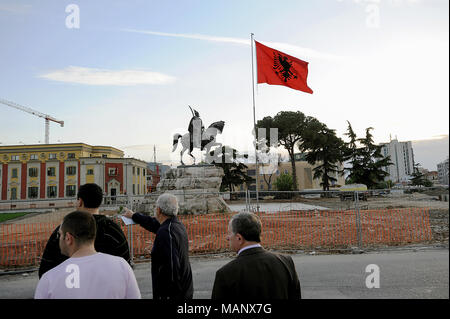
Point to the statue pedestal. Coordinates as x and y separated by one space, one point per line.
196 188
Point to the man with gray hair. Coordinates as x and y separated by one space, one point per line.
256 273
171 270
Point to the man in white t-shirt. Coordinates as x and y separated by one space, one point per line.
87 274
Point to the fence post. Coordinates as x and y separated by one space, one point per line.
358 220
130 231
247 204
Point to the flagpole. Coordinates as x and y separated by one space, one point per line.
254 125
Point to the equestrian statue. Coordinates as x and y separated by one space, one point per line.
197 136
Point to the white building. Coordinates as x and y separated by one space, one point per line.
442 169
402 158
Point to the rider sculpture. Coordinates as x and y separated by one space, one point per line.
197 136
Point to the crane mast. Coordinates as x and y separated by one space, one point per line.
47 117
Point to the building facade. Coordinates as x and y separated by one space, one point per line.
55 171
304 170
402 158
442 169
155 172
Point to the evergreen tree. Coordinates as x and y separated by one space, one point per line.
328 150
367 162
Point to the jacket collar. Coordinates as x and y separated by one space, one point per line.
170 219
251 251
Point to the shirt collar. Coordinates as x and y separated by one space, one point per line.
248 247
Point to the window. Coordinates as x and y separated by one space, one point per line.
33 172
138 171
51 191
71 170
251 172
52 156
133 171
134 190
71 155
13 193
14 173
104 156
51 171
33 157
112 171
14 157
90 172
33 192
71 190
143 172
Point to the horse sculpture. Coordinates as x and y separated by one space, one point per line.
208 140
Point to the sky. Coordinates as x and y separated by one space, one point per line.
122 73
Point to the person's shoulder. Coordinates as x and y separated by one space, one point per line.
111 258
283 256
104 223
57 270
277 255
114 260
230 266
108 257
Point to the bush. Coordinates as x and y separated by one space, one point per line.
284 183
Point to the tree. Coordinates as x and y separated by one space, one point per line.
293 128
234 171
418 178
351 151
269 162
327 149
367 161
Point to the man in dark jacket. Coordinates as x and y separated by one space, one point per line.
171 270
110 238
255 273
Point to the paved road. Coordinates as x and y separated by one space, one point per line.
403 274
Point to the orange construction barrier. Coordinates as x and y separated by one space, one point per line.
23 244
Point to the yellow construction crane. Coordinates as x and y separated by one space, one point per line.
47 118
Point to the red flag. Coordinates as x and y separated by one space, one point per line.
278 68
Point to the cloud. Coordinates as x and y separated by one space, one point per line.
288 48
91 76
193 36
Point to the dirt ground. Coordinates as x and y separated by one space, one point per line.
439 210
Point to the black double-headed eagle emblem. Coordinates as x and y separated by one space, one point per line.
283 67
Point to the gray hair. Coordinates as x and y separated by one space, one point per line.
168 204
248 225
